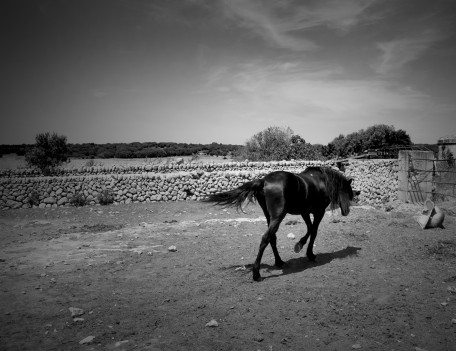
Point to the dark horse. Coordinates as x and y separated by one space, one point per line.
279 193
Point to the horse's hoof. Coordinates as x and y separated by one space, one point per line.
257 278
311 257
279 264
297 247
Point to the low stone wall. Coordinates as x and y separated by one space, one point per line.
377 181
171 167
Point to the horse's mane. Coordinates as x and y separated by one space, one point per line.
337 186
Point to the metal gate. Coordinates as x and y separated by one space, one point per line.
422 177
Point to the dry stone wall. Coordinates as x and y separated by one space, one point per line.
377 181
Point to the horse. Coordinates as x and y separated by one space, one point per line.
280 193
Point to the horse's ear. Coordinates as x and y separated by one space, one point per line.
350 181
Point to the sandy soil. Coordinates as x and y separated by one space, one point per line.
380 282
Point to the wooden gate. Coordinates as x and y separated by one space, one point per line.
415 175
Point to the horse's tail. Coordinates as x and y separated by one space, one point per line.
236 197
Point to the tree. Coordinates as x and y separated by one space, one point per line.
151 152
300 150
338 147
49 152
297 147
279 143
374 137
273 143
381 135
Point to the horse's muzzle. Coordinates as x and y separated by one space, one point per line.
355 197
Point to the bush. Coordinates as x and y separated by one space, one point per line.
375 137
78 200
106 197
34 198
49 152
271 144
450 158
276 144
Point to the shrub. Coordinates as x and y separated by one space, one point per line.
273 143
34 198
49 152
78 200
450 158
375 137
106 197
276 144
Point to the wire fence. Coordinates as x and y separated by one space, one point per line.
444 179
442 175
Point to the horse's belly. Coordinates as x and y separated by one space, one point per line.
294 212
298 209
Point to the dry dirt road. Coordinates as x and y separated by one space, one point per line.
102 278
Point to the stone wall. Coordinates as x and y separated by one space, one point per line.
376 179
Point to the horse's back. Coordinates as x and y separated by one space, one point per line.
285 192
276 183
281 181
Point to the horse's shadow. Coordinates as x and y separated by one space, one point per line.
296 265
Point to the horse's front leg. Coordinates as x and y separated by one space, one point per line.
300 244
317 219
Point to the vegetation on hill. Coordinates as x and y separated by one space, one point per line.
273 143
276 143
132 150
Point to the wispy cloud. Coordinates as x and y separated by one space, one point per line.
302 93
283 23
395 54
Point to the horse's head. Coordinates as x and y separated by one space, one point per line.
339 189
346 196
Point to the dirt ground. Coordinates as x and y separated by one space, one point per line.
103 278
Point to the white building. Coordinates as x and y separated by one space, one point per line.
447 145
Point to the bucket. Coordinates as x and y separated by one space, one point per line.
432 216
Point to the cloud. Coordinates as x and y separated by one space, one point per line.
215 73
283 23
334 14
395 54
298 93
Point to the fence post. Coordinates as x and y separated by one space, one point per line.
403 175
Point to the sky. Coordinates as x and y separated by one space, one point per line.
203 71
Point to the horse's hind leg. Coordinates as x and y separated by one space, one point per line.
262 202
278 261
300 244
268 237
273 238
